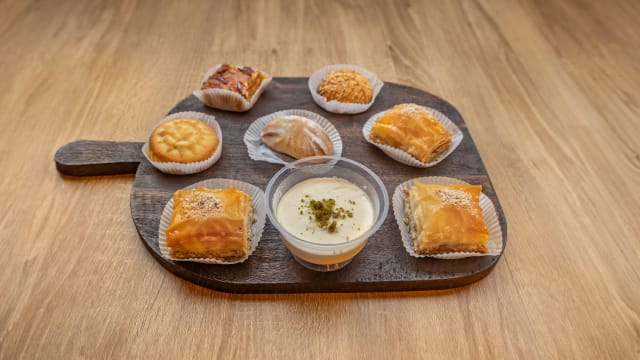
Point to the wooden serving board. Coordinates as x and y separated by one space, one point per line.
383 265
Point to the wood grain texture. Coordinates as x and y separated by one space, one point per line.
548 89
93 158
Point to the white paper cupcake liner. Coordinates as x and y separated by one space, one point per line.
175 168
228 100
406 158
340 107
494 243
259 212
261 152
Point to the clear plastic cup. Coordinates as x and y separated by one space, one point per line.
326 257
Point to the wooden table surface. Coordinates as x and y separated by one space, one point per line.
549 90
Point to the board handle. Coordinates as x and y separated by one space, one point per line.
91 158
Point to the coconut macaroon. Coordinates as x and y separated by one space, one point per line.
347 86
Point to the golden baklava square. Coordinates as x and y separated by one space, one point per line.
445 218
210 223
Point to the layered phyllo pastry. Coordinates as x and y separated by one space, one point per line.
210 223
412 129
445 218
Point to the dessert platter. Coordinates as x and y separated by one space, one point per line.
333 183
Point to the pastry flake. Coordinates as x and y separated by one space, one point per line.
413 129
445 218
347 86
296 136
210 223
242 80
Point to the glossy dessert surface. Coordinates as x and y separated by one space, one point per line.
242 80
182 141
210 223
445 218
413 129
325 211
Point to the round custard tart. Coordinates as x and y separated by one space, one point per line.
182 141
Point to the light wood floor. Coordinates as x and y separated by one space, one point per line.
550 91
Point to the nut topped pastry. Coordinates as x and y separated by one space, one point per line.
413 129
182 141
232 88
297 136
242 80
210 223
348 86
445 218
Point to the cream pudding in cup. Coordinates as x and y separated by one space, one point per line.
326 208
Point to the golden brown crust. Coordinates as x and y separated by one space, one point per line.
182 141
347 86
210 224
241 80
413 129
297 137
445 218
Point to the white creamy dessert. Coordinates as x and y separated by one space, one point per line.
325 211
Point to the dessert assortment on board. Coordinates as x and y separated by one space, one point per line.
220 221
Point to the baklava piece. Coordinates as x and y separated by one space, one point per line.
210 223
445 218
242 80
412 129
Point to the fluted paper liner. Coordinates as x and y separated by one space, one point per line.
175 168
406 158
226 99
259 212
338 107
494 243
261 152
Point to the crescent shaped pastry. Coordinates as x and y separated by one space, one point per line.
297 137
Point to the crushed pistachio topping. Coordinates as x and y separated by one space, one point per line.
324 212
